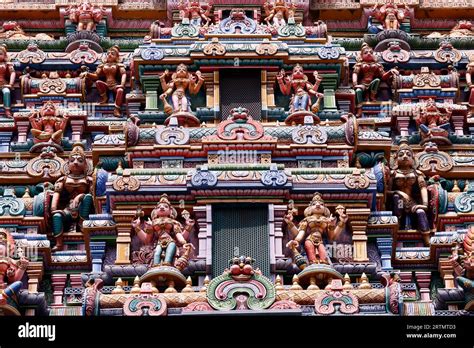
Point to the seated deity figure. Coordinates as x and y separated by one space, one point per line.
48 124
85 15
432 122
193 11
302 89
279 12
165 233
367 75
390 15
318 222
72 201
410 193
7 80
181 81
115 76
11 271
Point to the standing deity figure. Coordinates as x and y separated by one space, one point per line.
410 192
317 222
302 89
470 79
367 74
11 271
72 201
48 124
7 80
193 11
279 12
165 233
115 77
85 15
180 82
390 15
431 121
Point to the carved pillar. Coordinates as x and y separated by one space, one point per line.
77 129
458 122
402 125
329 99
59 282
405 277
271 80
211 84
97 253
385 248
204 220
263 89
424 279
35 274
151 100
22 127
75 280
447 273
358 219
217 96
279 212
123 219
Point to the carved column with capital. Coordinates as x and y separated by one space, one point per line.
358 219
35 274
123 220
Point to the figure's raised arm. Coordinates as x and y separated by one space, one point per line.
194 86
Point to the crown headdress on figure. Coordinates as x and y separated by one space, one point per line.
78 149
403 145
317 198
164 199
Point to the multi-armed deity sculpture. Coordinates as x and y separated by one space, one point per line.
115 76
433 123
409 191
194 12
85 15
48 124
72 201
367 75
11 271
298 86
7 80
181 82
164 233
279 12
390 15
317 222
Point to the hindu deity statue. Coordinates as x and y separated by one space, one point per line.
165 233
390 15
115 76
318 221
48 124
470 79
181 81
7 80
193 11
72 201
11 271
302 89
367 74
85 15
279 12
409 191
432 122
